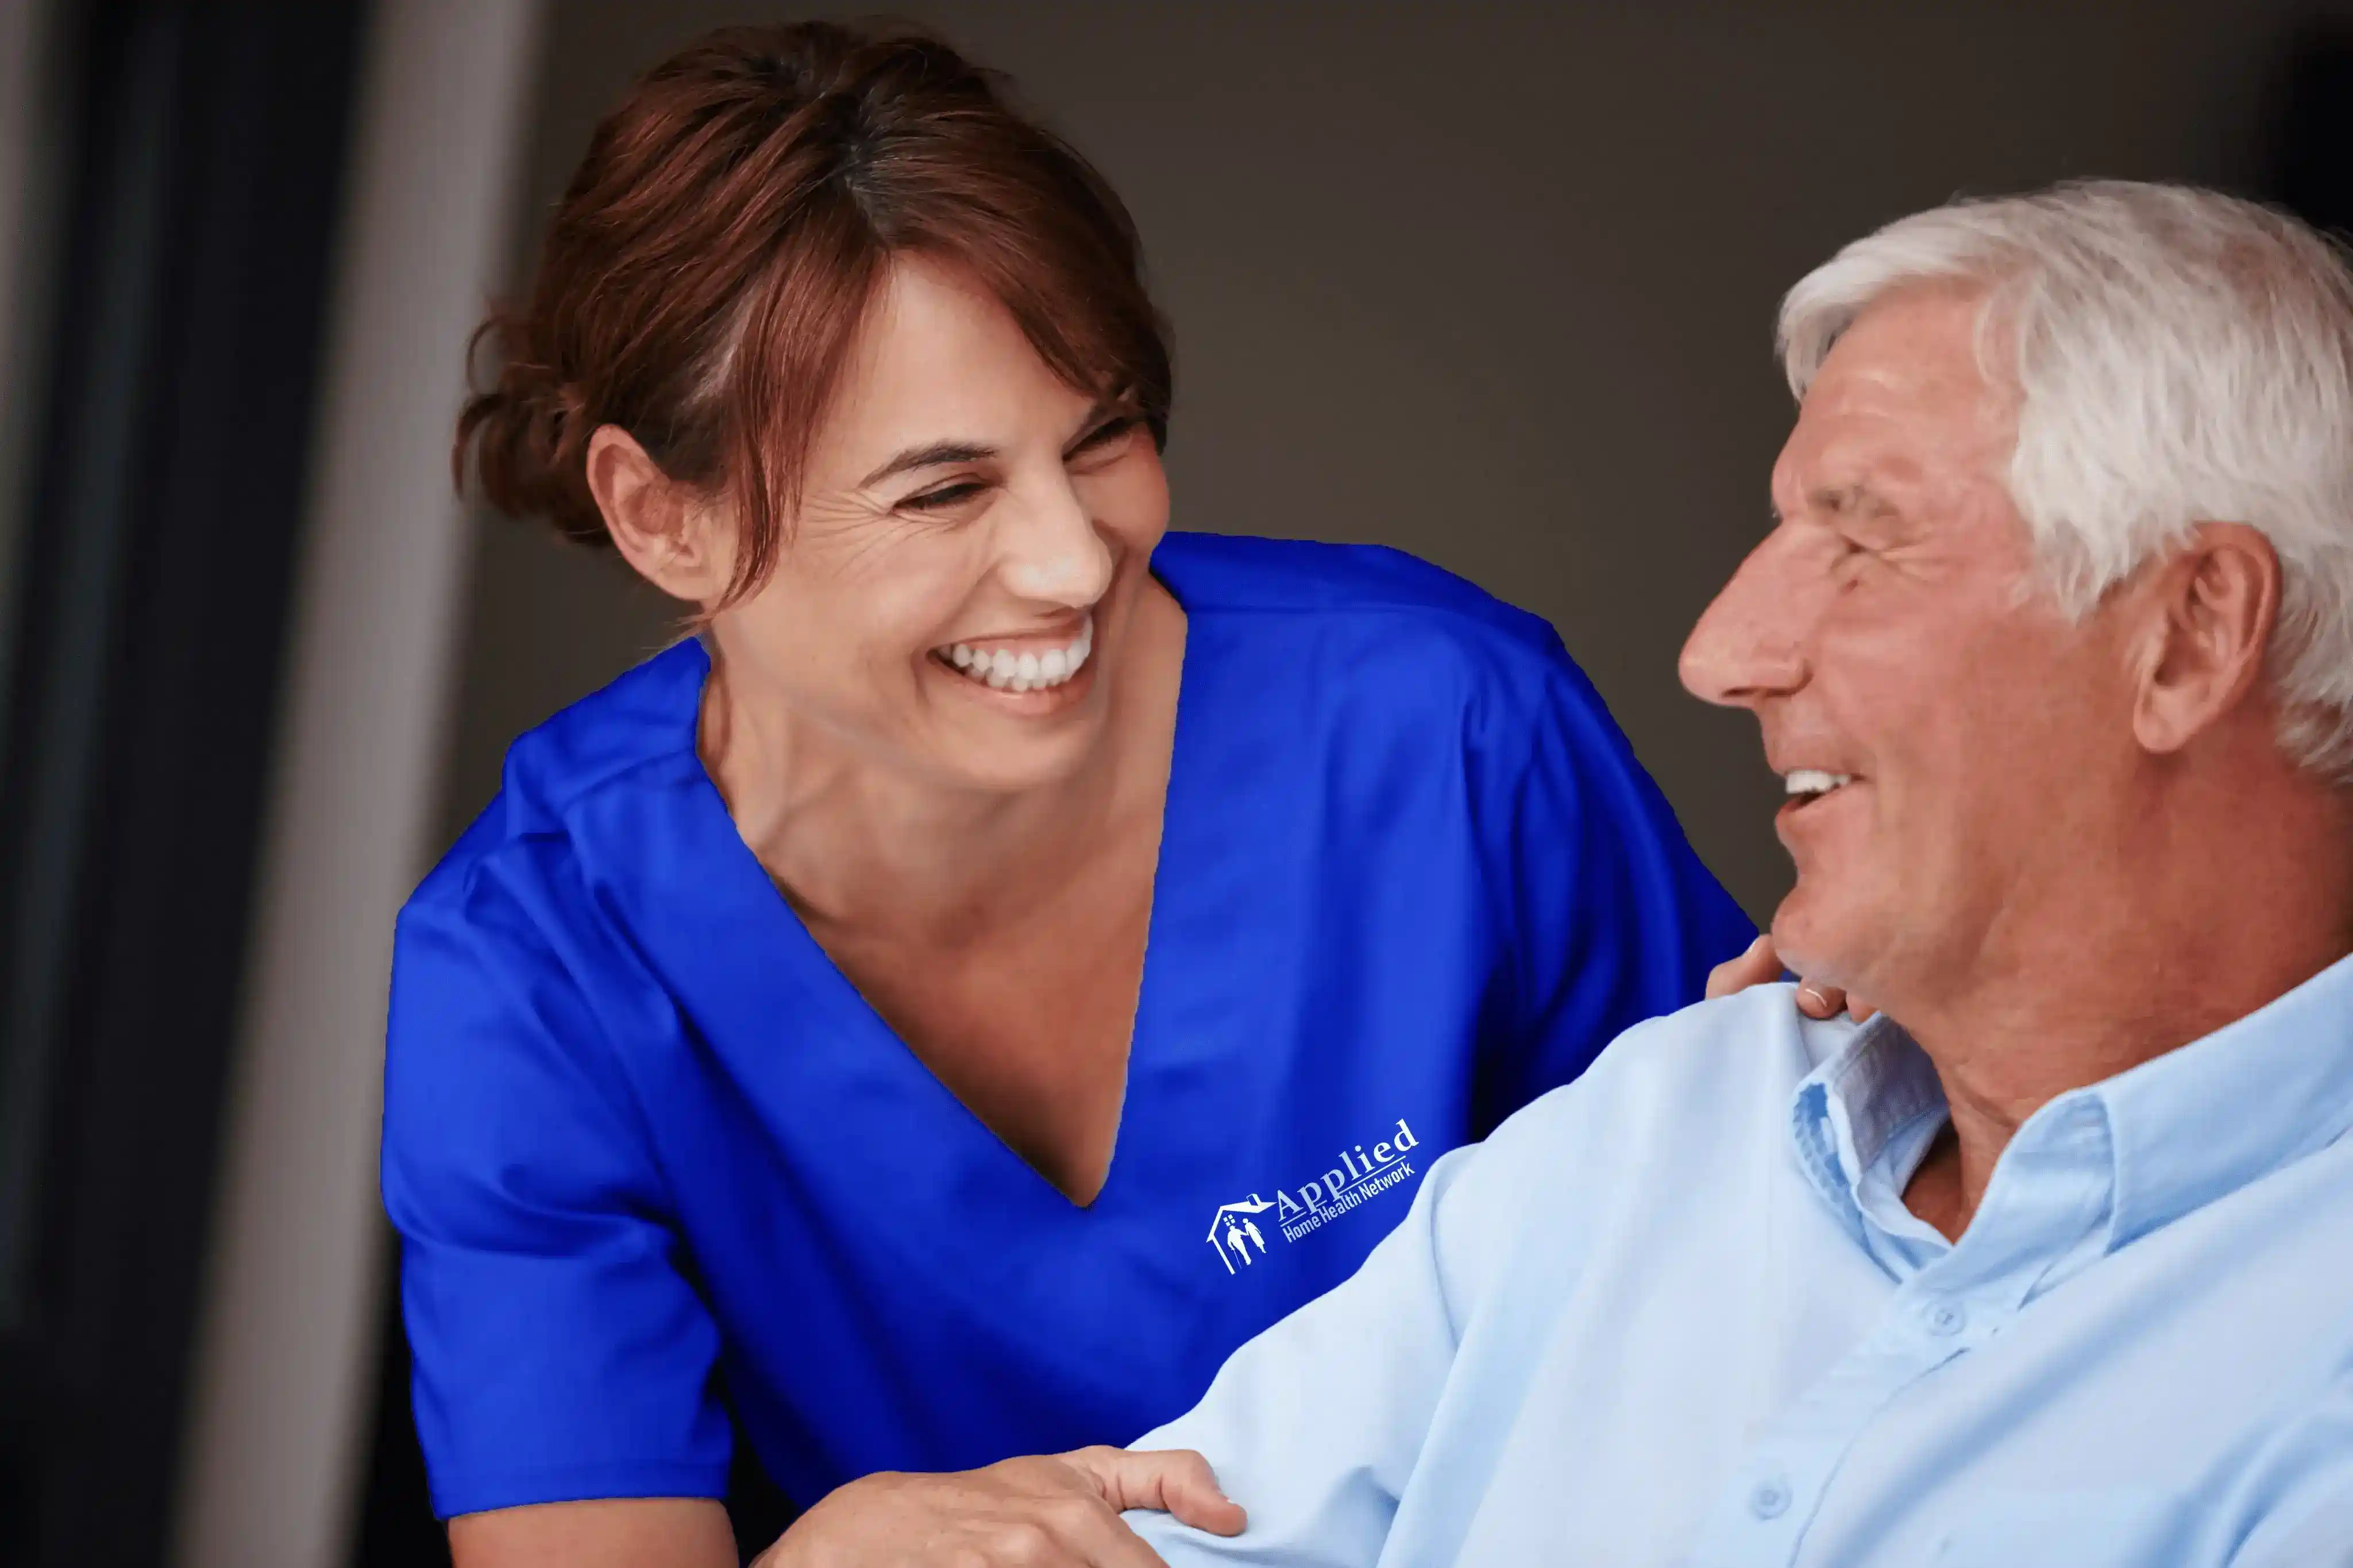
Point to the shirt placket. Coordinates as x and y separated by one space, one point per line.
1946 1308
1762 1517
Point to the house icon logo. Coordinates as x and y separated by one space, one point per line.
1233 1232
1355 1179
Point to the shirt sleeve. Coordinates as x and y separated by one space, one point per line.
1612 919
560 1352
1316 1426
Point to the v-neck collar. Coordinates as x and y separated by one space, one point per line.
702 934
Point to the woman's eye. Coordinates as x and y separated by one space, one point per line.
1104 435
944 497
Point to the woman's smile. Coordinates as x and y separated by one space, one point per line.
1051 668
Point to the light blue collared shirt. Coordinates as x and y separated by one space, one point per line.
1676 1312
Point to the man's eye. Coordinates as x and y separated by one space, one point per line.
1851 556
943 497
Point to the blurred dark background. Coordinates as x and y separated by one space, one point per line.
1493 284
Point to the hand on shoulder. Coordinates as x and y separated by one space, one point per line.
1761 966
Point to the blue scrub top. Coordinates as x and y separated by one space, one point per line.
654 1161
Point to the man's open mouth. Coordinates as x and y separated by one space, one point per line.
1805 786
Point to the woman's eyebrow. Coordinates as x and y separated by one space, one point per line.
939 454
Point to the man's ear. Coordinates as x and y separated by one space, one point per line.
671 534
2215 601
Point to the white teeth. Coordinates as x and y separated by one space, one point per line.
1813 781
1006 670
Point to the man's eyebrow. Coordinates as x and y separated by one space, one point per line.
939 454
1850 499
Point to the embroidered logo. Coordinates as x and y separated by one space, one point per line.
1234 1230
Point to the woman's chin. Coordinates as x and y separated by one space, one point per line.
1009 757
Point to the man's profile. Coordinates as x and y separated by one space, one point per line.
2052 645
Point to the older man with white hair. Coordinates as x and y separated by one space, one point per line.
2053 1262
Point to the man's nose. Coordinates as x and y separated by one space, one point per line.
1748 644
1053 551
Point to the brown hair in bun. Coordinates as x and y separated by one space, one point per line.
703 279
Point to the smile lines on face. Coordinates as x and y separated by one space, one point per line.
1028 670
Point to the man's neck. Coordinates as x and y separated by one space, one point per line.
2181 941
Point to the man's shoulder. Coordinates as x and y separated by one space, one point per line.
1665 1144
1715 1072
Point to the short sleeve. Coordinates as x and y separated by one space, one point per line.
1612 918
561 1353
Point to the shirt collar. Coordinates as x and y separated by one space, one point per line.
1867 1093
2181 1131
2199 1122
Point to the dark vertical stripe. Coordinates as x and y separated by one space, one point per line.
169 480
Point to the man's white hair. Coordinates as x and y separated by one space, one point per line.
2179 357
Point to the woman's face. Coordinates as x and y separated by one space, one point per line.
971 539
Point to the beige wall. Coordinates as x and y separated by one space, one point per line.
1494 285
275 1430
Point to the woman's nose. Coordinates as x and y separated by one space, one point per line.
1053 551
1746 645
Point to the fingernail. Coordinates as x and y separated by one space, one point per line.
1812 998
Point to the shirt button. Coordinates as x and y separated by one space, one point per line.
1944 1318
1769 1500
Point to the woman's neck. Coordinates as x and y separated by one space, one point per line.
856 843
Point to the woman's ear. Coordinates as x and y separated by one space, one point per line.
674 536
2218 599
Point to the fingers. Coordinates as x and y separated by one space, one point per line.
1761 966
1175 1481
1755 966
1816 1000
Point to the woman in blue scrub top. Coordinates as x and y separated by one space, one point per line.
1013 953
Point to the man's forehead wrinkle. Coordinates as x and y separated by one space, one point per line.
1901 394
1913 353
1902 416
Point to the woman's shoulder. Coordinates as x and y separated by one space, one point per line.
645 719
1230 573
507 950
1412 632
